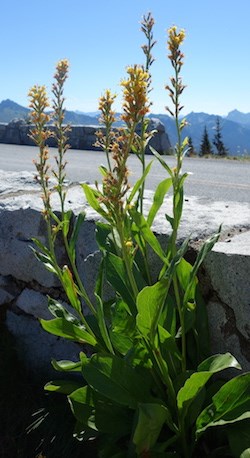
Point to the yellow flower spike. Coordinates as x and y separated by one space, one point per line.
175 40
105 106
135 98
62 71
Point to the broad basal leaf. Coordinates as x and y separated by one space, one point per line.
113 378
239 438
150 302
198 380
229 405
82 405
151 418
117 276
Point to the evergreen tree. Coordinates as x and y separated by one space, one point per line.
217 141
191 150
206 147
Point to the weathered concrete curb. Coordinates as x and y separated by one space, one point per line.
24 283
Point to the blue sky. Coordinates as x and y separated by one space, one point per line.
101 37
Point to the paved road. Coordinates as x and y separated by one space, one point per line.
213 179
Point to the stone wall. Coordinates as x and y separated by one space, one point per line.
25 284
80 137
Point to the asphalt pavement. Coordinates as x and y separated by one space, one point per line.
211 179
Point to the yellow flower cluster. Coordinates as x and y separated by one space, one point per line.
135 104
105 106
175 37
175 40
38 103
62 70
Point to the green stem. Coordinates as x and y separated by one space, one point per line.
127 260
182 323
59 274
165 375
107 143
78 279
177 218
183 438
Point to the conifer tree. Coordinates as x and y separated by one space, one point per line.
191 149
217 141
206 147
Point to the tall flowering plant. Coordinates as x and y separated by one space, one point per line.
145 389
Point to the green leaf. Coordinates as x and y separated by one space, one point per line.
116 275
159 195
148 235
201 331
62 386
139 183
177 259
63 328
178 205
198 380
150 302
229 405
208 245
151 419
102 324
92 198
113 378
138 355
46 260
123 327
170 220
217 363
40 245
169 350
112 419
246 453
103 170
71 289
182 179
73 239
168 318
66 222
66 365
102 232
59 311
239 438
161 160
184 270
82 405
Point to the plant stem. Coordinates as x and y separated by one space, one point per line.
127 260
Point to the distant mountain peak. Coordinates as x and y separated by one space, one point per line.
11 103
10 110
235 111
239 117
